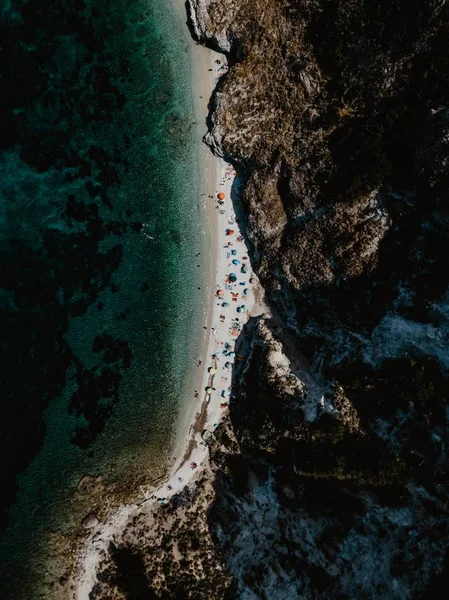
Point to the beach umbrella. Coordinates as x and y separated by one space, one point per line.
221 196
245 291
236 261
212 371
220 293
228 365
239 309
225 304
229 232
232 277
209 391
232 354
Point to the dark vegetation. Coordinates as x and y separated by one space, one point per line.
347 206
173 559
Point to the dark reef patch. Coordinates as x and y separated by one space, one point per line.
63 89
85 165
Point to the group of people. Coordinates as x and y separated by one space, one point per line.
231 297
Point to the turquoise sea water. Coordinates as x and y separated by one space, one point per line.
100 224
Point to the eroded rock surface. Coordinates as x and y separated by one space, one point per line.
330 476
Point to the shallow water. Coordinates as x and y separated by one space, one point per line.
100 221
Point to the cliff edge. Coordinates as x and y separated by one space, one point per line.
329 478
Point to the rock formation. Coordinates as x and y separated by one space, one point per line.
330 476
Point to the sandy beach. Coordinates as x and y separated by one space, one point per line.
230 301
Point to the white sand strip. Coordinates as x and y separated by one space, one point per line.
226 317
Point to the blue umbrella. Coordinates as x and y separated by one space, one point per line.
235 261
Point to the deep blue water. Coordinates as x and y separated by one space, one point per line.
99 221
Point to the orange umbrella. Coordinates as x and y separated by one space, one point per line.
221 196
220 293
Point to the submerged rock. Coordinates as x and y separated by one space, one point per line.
90 521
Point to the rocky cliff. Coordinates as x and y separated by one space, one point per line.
330 478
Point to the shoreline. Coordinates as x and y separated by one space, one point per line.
189 458
203 84
218 176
